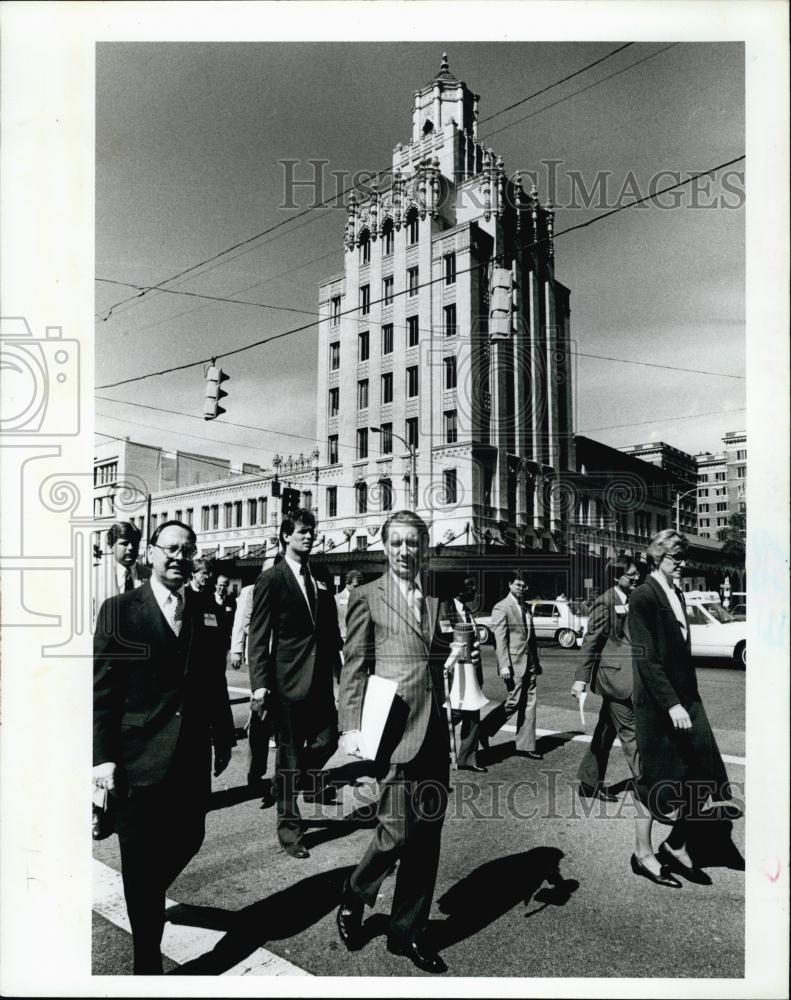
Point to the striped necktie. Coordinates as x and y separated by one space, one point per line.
175 613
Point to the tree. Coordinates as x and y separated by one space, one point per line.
733 536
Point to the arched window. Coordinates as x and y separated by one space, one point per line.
386 492
412 223
387 238
361 491
428 126
365 247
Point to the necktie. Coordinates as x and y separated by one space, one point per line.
129 583
467 615
175 612
415 602
310 590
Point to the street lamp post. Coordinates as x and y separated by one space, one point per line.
679 498
412 465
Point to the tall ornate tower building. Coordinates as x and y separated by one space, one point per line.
444 346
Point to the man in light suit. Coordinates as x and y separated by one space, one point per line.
606 665
517 662
352 579
121 572
294 645
392 630
259 730
159 704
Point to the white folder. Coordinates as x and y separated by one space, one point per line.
379 695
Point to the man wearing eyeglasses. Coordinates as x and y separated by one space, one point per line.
606 665
160 704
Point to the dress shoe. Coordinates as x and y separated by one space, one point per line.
472 767
296 851
267 799
663 878
349 918
595 792
692 874
531 754
419 953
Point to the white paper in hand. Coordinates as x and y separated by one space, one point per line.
379 695
582 696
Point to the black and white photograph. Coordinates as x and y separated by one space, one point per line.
394 426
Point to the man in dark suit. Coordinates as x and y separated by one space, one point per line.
225 608
606 665
392 630
160 703
294 644
453 612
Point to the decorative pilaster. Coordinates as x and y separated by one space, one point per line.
351 220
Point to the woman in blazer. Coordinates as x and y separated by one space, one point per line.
683 777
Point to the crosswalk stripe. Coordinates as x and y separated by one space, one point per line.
584 738
181 944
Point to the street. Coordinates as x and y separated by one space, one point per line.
523 860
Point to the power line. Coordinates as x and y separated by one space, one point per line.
433 281
244 243
557 83
582 90
661 420
213 298
652 364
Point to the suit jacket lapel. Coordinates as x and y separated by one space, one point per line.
663 600
150 608
395 600
295 590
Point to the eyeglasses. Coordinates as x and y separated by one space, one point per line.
173 551
632 576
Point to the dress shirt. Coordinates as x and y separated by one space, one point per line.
462 611
526 618
621 594
406 587
120 577
163 595
672 596
296 568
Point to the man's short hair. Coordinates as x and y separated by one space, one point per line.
299 516
406 517
617 568
516 574
353 576
200 563
123 530
169 524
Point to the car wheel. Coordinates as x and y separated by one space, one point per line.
740 655
566 638
484 635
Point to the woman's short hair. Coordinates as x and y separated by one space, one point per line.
200 563
666 542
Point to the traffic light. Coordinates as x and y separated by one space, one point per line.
214 378
275 487
290 501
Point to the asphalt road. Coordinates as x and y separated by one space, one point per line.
530 882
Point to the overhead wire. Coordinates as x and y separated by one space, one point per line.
107 313
525 247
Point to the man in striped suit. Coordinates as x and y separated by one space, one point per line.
392 630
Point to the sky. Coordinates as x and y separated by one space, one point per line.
188 139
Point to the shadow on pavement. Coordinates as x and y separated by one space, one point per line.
496 887
546 744
279 916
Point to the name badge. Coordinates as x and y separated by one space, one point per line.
209 619
445 626
620 609
320 585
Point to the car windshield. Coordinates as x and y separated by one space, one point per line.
578 607
719 614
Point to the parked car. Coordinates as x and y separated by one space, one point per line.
713 630
563 622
